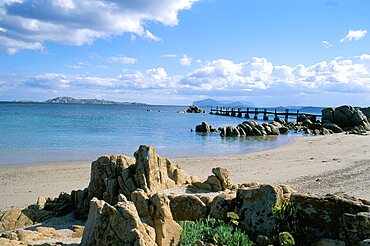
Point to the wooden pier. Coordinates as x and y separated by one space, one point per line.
247 112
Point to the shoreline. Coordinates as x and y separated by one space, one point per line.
315 164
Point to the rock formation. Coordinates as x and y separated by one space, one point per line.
346 117
204 127
252 128
195 109
117 174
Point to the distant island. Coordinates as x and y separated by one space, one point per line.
211 102
71 100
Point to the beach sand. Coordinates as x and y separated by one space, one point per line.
317 164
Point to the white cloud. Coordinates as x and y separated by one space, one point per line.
122 59
354 35
258 78
169 56
326 44
185 60
29 23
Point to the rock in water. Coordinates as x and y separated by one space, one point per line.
118 225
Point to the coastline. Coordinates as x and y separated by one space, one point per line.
315 164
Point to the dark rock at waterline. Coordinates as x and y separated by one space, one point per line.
195 109
204 127
346 117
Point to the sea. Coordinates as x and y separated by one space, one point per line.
39 133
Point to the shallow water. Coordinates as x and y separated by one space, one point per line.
54 133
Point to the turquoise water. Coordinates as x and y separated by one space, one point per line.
60 133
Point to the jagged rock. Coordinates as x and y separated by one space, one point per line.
16 218
222 175
141 201
167 231
331 126
254 207
28 236
322 216
151 170
117 174
357 227
118 225
346 117
221 205
62 205
187 207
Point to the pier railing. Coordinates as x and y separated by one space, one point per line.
247 112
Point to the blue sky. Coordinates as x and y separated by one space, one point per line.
173 52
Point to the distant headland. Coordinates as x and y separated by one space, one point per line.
71 100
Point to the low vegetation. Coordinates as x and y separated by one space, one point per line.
212 231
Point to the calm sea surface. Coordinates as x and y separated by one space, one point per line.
62 133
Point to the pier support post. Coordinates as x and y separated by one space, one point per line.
265 116
255 114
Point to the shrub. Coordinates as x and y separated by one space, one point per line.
212 231
286 239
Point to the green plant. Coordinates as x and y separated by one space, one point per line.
286 217
286 239
212 231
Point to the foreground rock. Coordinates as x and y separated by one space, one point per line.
116 225
114 175
219 181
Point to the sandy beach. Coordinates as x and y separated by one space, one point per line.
317 164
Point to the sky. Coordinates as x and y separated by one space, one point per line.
269 52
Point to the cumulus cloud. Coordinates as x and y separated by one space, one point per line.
257 77
122 59
27 24
354 35
185 60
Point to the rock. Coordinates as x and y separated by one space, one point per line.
195 109
214 182
222 175
366 112
141 201
62 205
254 207
357 227
204 127
16 218
118 225
41 201
322 216
117 174
46 231
328 242
8 242
346 117
331 126
77 231
151 170
283 130
187 207
221 205
167 231
28 236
